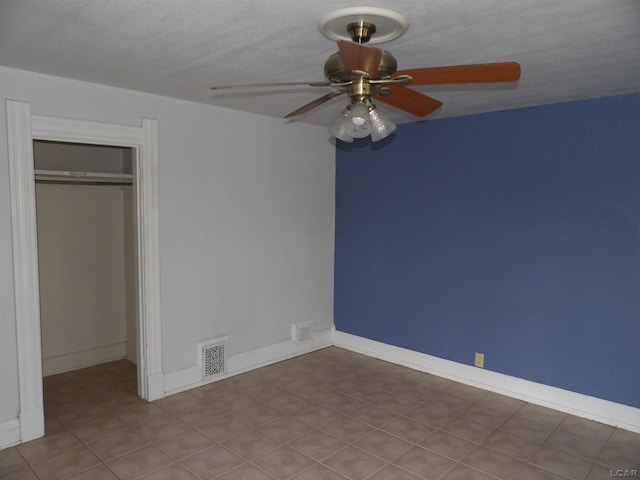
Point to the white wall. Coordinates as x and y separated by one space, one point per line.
246 207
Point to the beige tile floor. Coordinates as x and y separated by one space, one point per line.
327 415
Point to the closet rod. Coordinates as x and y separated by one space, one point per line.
62 176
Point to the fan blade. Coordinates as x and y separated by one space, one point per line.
263 85
316 103
360 58
409 100
481 73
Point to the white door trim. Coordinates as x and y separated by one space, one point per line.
22 129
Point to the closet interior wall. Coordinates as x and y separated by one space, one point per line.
86 251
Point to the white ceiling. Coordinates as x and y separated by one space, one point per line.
568 49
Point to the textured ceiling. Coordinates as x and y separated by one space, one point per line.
568 50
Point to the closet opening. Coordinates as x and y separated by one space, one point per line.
85 215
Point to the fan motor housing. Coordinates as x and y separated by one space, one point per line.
335 71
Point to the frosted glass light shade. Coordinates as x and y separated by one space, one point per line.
381 126
339 129
352 123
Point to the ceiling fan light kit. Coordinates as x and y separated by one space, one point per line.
365 73
361 119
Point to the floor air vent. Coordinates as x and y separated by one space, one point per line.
213 357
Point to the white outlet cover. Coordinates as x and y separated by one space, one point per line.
302 331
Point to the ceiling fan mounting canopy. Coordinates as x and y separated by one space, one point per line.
388 24
361 28
361 31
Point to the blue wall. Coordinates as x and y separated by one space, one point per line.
515 234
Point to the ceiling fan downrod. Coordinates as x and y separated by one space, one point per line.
361 31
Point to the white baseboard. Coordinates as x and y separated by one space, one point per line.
84 358
31 424
192 377
28 426
155 387
592 408
9 433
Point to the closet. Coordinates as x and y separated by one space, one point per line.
86 254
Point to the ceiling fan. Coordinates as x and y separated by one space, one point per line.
366 73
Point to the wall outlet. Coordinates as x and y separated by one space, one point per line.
302 332
479 360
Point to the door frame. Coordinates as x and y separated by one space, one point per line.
22 129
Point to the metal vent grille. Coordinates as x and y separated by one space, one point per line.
213 358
